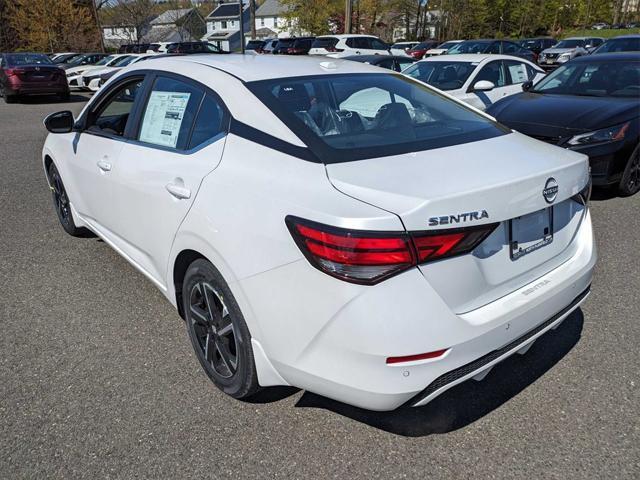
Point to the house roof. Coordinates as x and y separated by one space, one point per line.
170 16
226 10
271 8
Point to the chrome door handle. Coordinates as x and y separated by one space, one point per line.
179 191
104 165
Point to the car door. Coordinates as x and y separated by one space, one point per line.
179 139
96 151
493 72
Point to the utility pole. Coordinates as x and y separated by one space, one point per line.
252 18
240 4
347 17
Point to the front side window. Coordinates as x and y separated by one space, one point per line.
169 114
492 72
111 118
356 116
441 74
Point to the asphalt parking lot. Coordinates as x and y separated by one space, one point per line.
98 378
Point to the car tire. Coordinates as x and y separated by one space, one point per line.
630 182
217 330
62 205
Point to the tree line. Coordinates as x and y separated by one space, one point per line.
58 25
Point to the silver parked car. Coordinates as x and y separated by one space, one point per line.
568 49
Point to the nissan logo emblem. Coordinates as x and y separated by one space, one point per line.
550 191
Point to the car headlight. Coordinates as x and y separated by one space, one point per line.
610 134
565 57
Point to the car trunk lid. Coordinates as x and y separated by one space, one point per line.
492 181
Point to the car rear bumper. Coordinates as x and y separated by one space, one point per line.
337 347
36 89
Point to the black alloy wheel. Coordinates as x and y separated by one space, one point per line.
62 205
217 330
630 183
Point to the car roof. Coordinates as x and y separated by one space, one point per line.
370 58
470 57
249 68
603 57
346 35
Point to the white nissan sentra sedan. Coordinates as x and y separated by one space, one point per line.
377 254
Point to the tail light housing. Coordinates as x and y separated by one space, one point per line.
334 49
10 72
369 257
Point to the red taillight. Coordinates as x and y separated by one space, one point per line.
10 72
369 257
413 358
334 49
417 54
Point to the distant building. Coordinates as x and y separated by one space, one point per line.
223 26
179 25
271 21
116 35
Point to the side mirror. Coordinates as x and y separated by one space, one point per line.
59 122
483 86
526 86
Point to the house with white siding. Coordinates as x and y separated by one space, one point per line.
271 21
223 26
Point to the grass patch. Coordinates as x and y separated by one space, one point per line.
608 33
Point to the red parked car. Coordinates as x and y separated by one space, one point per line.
30 74
419 50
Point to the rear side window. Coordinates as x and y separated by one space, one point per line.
324 42
346 117
170 113
210 122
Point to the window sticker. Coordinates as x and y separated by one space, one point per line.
163 118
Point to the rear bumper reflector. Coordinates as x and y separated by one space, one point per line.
413 358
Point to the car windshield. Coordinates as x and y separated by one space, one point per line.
107 60
442 74
569 44
596 79
124 61
347 117
631 44
447 45
469 47
15 59
65 58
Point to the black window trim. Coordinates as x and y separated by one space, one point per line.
134 122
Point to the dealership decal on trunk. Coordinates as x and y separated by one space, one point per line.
459 218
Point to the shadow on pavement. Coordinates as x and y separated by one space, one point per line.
471 400
49 99
604 193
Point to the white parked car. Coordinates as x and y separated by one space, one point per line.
442 48
477 79
568 49
91 80
401 48
74 74
347 45
374 253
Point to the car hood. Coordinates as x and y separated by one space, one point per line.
558 50
527 112
96 72
82 69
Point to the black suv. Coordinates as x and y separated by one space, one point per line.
536 45
294 46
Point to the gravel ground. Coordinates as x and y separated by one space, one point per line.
98 380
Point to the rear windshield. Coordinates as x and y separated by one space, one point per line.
357 116
631 44
469 47
443 75
15 59
570 43
324 42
